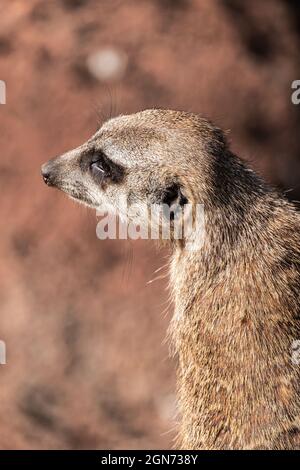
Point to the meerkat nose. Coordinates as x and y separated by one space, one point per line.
47 174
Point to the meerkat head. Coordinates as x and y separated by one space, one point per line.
154 157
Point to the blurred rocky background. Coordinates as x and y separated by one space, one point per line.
87 365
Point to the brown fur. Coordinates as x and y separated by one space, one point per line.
237 315
237 307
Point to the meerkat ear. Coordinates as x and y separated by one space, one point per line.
174 198
173 194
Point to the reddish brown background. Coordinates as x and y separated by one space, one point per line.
87 363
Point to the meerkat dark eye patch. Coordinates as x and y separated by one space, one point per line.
103 169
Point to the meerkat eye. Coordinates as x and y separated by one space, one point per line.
99 167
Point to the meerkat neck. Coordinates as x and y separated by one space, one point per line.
238 202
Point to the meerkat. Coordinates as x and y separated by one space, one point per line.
236 298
